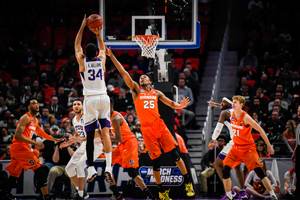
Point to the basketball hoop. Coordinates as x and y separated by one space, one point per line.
148 44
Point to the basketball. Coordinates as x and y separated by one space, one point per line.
94 21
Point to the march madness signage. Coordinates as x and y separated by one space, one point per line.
170 175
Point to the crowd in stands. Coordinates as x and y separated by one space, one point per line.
269 71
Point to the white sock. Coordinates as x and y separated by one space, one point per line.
80 192
108 159
272 193
77 187
229 195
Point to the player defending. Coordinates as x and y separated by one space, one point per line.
224 118
126 153
21 156
96 101
155 132
77 163
244 148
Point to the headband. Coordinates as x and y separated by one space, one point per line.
226 99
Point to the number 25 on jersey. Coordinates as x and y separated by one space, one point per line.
148 104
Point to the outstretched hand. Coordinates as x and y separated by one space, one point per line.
84 21
184 102
271 150
108 51
212 104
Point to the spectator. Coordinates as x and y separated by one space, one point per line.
59 53
176 72
122 101
41 99
267 62
45 114
35 89
117 80
256 189
140 62
3 107
12 100
246 95
184 92
66 127
45 82
274 137
110 92
248 72
12 124
6 137
6 155
125 58
295 83
264 84
6 116
130 121
257 118
71 116
26 95
3 89
5 76
261 149
130 111
69 87
263 99
52 120
193 72
288 185
32 69
16 89
261 111
249 59
289 137
137 131
192 83
282 116
135 73
278 124
207 162
277 102
238 89
142 147
49 71
73 95
62 97
57 110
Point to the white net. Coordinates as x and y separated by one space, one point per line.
148 44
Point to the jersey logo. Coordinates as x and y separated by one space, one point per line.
142 91
81 120
131 161
32 121
232 119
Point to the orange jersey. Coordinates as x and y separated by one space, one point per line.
146 106
28 132
125 130
291 139
181 144
241 132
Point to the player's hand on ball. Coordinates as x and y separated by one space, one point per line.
270 150
184 102
96 30
40 144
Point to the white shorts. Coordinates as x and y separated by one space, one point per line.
78 161
225 150
96 107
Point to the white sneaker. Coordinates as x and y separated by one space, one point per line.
108 174
92 174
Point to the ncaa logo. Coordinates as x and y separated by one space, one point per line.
142 91
143 171
32 121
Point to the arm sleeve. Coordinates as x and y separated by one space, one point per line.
42 134
249 178
271 178
217 130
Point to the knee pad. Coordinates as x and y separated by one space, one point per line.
132 172
260 173
41 177
174 154
71 169
226 172
156 164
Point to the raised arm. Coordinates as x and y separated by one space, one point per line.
253 124
171 103
101 45
78 49
211 103
117 122
134 86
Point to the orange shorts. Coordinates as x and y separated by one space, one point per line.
126 154
246 154
21 158
157 135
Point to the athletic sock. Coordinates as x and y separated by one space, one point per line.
242 190
272 193
187 178
115 190
108 159
90 147
80 193
77 188
229 195
148 193
160 188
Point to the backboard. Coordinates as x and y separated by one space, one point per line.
175 21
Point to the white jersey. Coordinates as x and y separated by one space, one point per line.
79 126
93 77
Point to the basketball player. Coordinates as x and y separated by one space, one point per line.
155 132
224 118
96 101
77 163
126 153
21 156
244 149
